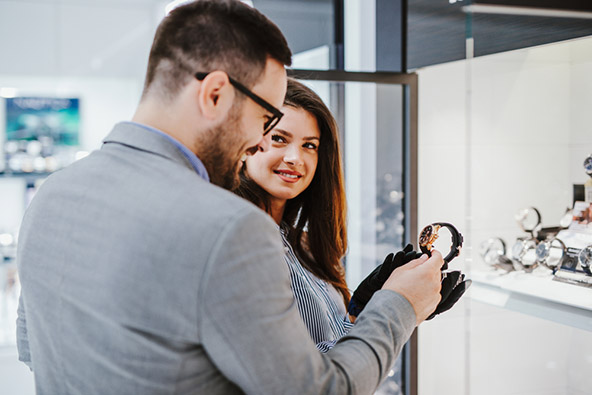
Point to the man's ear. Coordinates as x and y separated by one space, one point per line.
215 95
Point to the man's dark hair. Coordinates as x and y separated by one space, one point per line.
208 35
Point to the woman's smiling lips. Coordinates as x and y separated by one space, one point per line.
288 175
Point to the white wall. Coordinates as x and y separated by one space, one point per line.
529 131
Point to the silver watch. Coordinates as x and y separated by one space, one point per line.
588 165
529 219
493 252
585 259
524 254
550 253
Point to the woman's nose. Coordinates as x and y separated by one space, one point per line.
293 156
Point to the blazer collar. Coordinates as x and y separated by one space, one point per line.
137 137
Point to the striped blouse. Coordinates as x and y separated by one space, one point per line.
319 303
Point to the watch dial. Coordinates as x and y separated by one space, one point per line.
542 251
585 257
528 219
556 253
588 165
426 235
491 250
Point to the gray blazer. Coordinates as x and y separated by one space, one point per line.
139 277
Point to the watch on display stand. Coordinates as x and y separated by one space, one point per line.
524 249
550 253
576 267
529 220
524 254
585 259
588 165
493 252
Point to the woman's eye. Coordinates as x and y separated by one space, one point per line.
310 146
277 138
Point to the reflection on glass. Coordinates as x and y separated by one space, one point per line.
308 27
371 126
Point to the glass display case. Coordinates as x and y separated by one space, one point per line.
499 134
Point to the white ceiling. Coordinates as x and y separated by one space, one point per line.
77 37
111 38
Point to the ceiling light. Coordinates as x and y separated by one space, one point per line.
8 92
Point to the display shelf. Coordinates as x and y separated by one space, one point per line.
535 294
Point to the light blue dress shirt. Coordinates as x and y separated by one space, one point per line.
191 157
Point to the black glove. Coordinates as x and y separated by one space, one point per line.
454 286
375 280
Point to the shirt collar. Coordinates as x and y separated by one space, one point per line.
197 164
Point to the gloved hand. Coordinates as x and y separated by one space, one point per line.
454 286
375 280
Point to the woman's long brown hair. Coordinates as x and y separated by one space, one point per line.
316 218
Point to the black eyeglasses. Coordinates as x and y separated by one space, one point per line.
277 114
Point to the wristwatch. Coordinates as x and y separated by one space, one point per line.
529 220
493 252
524 254
429 234
588 165
550 253
491 249
585 259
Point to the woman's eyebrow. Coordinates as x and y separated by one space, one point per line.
288 134
282 131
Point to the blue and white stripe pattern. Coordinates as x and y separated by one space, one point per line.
319 303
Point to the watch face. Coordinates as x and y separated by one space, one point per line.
529 258
556 254
542 251
588 165
528 219
585 257
491 250
521 215
426 235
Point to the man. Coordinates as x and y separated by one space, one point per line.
141 277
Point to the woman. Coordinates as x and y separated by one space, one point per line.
299 182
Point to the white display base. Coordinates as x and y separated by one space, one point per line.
535 294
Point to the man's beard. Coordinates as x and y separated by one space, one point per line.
219 151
